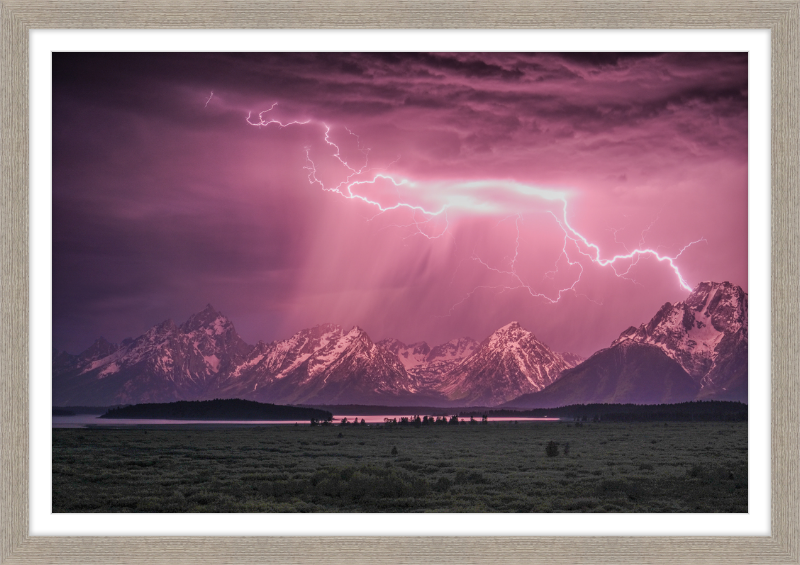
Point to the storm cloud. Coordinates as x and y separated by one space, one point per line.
165 198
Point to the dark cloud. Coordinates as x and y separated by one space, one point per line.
165 199
601 59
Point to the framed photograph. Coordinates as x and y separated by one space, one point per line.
413 199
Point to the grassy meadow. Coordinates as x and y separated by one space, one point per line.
495 467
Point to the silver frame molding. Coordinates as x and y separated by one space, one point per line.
17 17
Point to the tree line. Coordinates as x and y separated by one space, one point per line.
416 421
694 411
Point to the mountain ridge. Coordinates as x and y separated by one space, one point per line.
205 358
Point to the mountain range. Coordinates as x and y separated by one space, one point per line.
692 349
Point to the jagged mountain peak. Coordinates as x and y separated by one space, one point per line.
207 311
99 349
357 335
705 287
507 364
209 320
706 334
724 303
166 327
723 306
356 330
320 329
459 348
512 332
509 327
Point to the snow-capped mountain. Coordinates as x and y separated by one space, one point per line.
428 365
507 364
707 335
167 363
205 358
322 365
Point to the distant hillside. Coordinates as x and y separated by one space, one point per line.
228 409
626 373
74 410
696 411
375 410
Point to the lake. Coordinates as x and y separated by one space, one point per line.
86 420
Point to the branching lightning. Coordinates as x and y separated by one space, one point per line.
465 196
263 123
356 177
633 255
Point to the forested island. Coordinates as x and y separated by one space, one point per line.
218 409
76 410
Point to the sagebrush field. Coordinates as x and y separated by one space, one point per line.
496 467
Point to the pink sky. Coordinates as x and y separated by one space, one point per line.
165 198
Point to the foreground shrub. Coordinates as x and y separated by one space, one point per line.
365 485
471 478
442 484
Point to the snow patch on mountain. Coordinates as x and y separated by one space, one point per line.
212 361
109 370
706 333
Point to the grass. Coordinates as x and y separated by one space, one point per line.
499 467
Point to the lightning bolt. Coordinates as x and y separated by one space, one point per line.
360 180
573 234
210 96
264 123
519 283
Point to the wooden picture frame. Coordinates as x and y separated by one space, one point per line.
782 18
